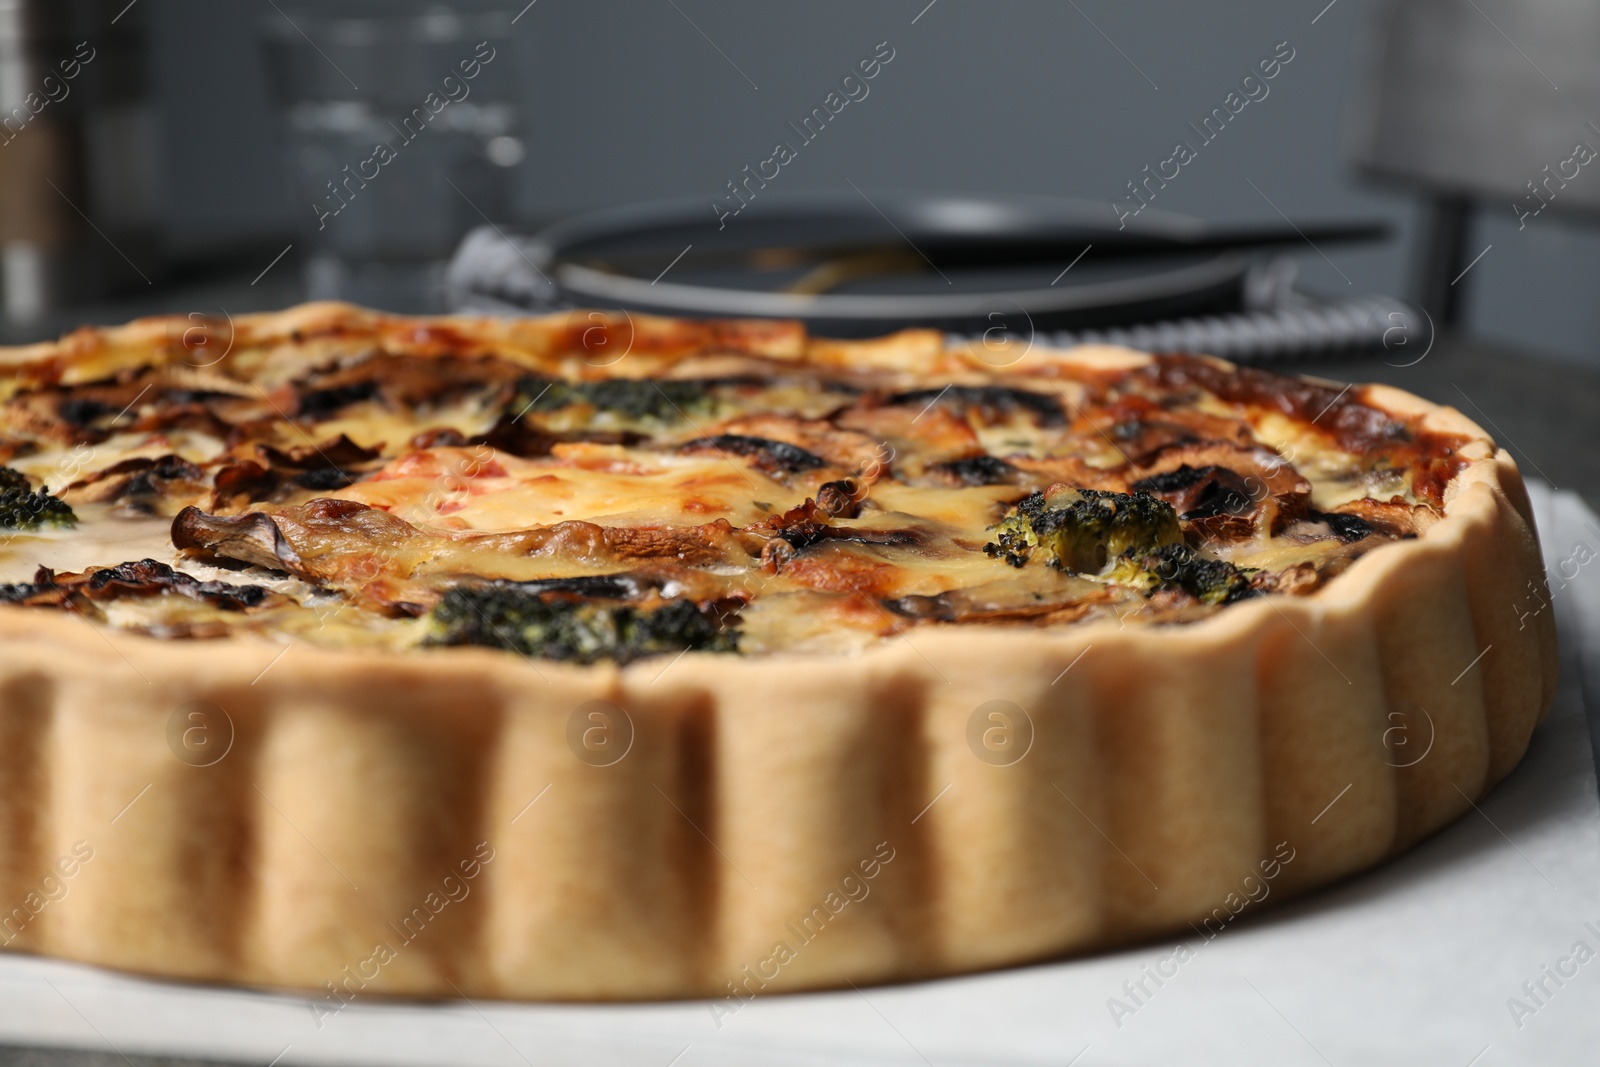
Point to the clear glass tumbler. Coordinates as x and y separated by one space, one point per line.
401 132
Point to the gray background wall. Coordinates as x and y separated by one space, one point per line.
629 100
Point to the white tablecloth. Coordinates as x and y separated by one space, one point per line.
1422 961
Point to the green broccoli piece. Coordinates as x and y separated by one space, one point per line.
1211 581
637 399
502 615
24 508
1081 530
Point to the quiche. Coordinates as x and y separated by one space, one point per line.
602 657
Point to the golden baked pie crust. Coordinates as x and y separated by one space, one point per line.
1168 769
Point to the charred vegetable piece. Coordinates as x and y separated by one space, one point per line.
323 479
641 399
563 628
138 578
1200 492
1081 530
978 470
147 576
319 404
1347 528
995 402
1177 566
23 592
775 457
24 508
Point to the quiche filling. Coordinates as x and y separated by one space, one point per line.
735 488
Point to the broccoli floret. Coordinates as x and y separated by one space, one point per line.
1177 566
1131 540
557 626
647 399
24 508
1081 530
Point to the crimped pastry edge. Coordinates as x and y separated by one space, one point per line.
1167 765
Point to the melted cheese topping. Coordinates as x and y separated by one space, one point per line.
815 506
464 489
98 537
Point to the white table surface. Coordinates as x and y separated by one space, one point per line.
1414 963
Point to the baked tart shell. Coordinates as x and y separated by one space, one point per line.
779 823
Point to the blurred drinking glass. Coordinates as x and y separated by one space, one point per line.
401 134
